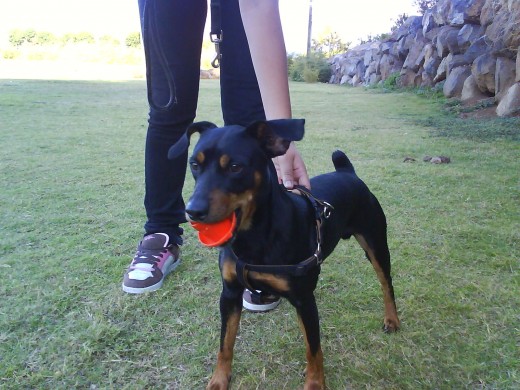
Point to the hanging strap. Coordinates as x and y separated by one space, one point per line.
151 41
216 30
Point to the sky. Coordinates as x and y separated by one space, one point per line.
351 19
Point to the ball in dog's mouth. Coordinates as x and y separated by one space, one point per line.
216 234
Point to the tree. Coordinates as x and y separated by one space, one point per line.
424 5
19 37
329 44
44 38
399 22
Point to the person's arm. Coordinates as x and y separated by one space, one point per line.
261 19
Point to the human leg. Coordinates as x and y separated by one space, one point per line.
172 36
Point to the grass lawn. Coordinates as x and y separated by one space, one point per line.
71 169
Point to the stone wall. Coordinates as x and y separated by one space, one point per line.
467 47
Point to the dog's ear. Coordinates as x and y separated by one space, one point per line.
181 146
275 136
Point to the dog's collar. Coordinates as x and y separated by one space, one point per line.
323 211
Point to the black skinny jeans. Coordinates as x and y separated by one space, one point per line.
172 37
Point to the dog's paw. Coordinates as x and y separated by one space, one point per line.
219 382
391 326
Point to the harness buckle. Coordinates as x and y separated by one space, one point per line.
217 40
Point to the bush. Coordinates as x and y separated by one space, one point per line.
391 81
311 70
10 54
19 37
82 37
44 38
310 75
133 40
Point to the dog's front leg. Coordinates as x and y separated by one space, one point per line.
230 311
309 322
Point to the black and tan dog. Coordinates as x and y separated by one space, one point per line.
281 237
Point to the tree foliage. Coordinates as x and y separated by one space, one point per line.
329 44
133 40
401 19
314 68
19 37
424 5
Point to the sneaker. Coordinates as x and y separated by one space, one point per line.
155 258
257 301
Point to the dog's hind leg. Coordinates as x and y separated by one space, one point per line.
379 256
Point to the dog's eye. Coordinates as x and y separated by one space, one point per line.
194 166
235 168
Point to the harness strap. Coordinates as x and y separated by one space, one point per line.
322 212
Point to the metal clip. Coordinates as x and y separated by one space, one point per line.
217 40
327 210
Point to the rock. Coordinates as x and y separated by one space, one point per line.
517 78
415 57
440 160
447 38
409 78
510 103
504 31
488 12
442 71
467 35
504 76
455 81
409 159
440 12
437 159
388 66
483 69
470 91
454 61
477 48
428 22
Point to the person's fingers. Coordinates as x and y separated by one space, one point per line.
291 169
285 170
300 172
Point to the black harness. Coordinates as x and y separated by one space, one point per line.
323 211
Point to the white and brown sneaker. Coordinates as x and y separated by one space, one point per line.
154 260
258 301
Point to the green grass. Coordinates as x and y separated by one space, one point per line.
71 208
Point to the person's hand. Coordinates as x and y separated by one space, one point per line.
291 170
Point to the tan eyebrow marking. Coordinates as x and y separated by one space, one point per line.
224 161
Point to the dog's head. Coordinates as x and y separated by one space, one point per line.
231 165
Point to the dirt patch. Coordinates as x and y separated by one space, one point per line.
482 113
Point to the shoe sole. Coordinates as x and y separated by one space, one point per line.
260 308
156 286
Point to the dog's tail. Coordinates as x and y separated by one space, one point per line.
341 162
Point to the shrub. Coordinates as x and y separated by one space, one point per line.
391 81
133 40
19 37
310 75
44 38
10 54
312 69
82 37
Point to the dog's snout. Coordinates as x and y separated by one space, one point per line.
197 211
197 215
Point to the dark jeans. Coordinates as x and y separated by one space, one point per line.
172 37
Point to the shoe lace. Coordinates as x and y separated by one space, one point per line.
148 255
